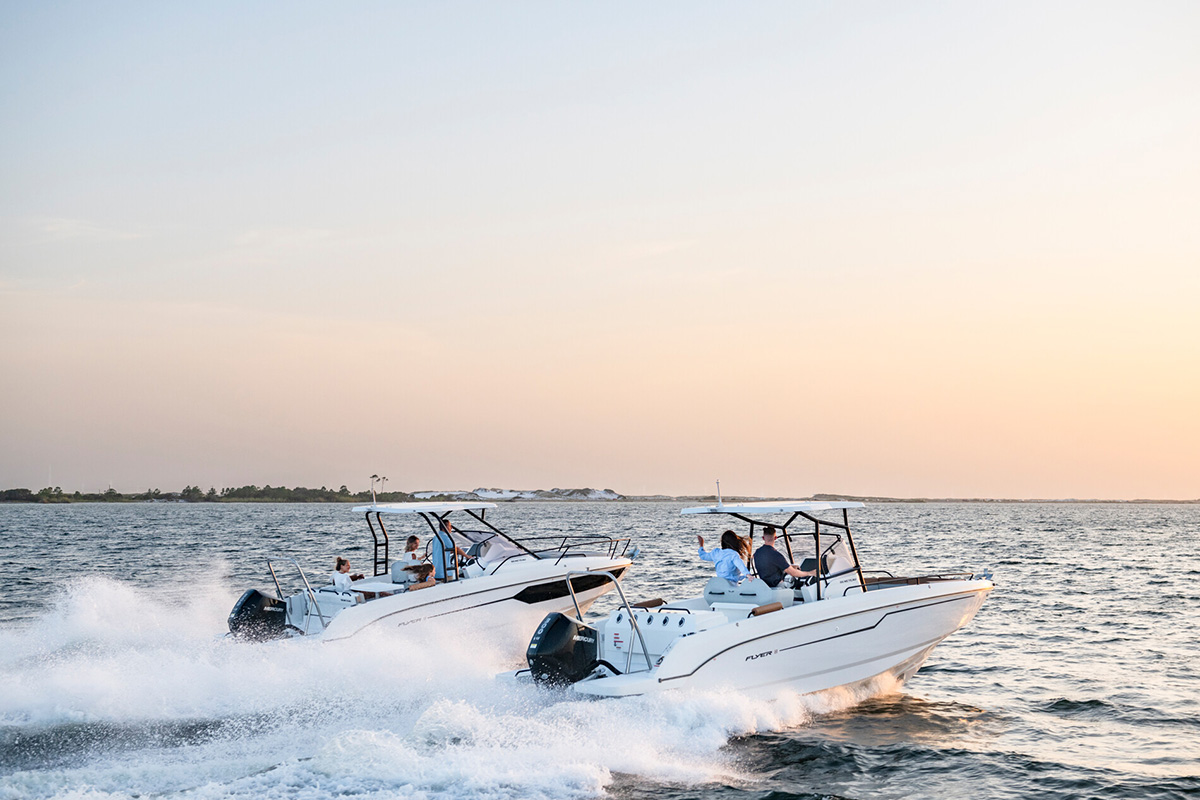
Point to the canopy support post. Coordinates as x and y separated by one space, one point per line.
379 544
849 538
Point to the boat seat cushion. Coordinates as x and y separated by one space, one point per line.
753 592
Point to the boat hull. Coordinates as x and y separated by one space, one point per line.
811 647
511 599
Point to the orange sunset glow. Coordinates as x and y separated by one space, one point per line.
811 249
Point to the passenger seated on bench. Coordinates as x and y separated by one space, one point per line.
771 564
423 575
729 559
412 551
412 555
342 576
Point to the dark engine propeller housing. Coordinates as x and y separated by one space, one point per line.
257 617
563 650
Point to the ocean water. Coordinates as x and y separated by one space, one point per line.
1079 678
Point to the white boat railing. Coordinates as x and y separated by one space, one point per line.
310 597
628 610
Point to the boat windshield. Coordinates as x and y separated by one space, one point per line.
837 557
471 533
812 549
495 547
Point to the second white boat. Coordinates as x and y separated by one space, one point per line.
482 575
842 627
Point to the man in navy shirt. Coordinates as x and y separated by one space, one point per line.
770 563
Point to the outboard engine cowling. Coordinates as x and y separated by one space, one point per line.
257 617
563 650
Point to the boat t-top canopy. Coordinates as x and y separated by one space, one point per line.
773 507
825 555
434 514
422 508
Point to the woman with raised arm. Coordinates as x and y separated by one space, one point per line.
729 558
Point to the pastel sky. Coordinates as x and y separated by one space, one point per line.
908 249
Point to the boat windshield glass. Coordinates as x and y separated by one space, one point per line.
497 549
495 546
838 557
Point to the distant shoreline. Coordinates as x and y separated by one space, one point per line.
268 494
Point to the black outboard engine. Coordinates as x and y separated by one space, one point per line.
563 650
257 617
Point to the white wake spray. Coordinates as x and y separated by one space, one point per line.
413 713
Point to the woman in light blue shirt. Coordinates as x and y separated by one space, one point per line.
729 558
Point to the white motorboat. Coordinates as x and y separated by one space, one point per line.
842 626
494 578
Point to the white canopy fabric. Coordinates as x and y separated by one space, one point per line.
772 507
423 508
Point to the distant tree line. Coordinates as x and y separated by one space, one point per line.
194 494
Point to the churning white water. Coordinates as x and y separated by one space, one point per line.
1078 678
116 693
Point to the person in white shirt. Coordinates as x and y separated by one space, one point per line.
405 568
342 576
412 551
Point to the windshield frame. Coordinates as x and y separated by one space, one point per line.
816 535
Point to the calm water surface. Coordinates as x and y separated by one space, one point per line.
1078 679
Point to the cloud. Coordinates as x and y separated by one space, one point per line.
57 229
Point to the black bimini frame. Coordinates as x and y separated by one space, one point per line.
443 525
563 545
816 534
381 544
380 537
